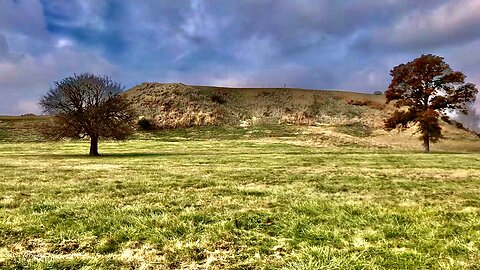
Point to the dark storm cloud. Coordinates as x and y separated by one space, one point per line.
304 43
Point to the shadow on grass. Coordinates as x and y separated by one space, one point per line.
256 153
166 154
116 155
139 154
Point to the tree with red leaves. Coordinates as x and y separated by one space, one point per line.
424 90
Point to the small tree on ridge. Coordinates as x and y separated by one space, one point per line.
86 105
424 90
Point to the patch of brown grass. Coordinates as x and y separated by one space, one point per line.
368 103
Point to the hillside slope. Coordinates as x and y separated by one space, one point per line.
330 117
174 105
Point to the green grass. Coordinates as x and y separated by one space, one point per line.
356 129
203 133
228 198
20 128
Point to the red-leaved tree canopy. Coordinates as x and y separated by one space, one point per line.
423 90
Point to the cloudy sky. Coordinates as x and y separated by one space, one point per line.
317 44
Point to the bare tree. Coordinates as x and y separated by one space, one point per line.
86 105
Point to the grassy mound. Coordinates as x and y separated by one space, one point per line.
21 128
179 105
175 105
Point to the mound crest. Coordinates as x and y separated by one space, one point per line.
175 105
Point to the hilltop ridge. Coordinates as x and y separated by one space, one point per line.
177 105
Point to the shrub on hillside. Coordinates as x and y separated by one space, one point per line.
378 93
145 124
459 125
446 119
28 115
218 99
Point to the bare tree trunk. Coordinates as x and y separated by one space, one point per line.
94 146
426 142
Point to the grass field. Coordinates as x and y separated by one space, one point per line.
232 198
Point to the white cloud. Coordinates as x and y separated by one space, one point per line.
64 43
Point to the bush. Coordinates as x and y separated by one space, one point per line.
144 124
459 125
218 99
378 93
446 119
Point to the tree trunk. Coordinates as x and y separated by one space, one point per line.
426 142
94 146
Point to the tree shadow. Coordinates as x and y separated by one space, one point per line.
140 154
112 155
163 154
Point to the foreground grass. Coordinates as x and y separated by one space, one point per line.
236 199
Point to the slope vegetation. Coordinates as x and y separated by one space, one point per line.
331 117
176 105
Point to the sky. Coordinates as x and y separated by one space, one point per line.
315 44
